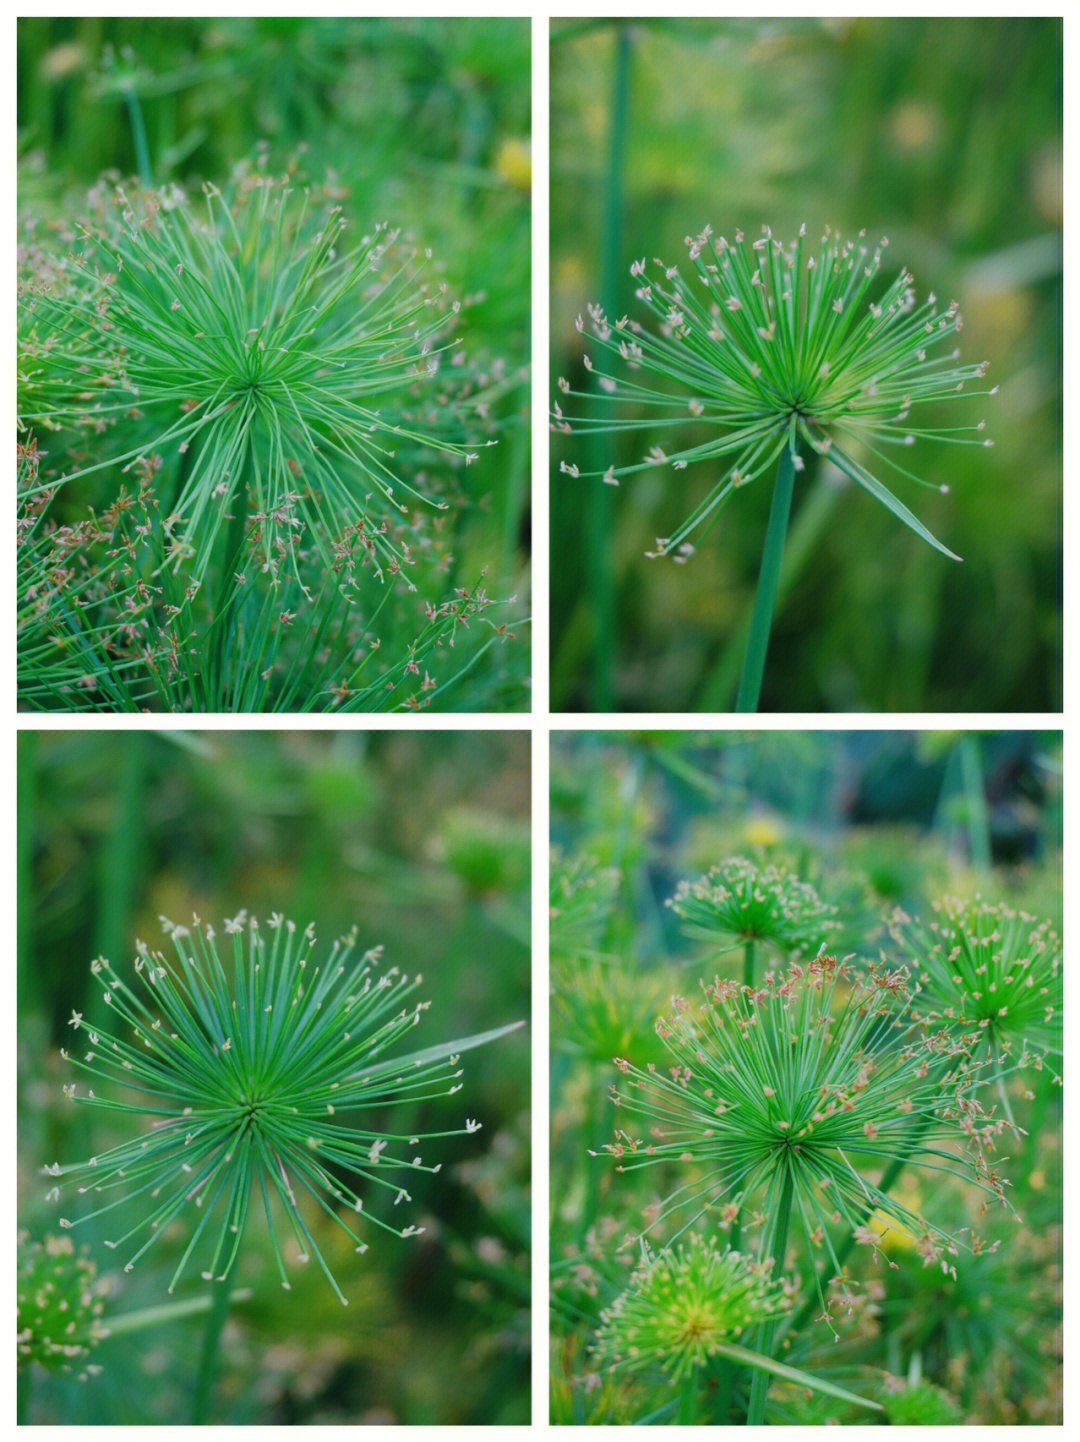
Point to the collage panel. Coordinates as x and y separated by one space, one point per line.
806 332
274 1078
806 1046
273 389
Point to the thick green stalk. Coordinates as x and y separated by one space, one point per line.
760 1385
211 1348
687 1398
800 546
725 1382
22 1397
767 586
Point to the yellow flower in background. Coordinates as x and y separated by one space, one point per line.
513 162
763 830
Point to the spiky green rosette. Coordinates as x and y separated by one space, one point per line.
988 967
272 366
682 1305
59 1306
259 1075
778 349
805 1088
751 903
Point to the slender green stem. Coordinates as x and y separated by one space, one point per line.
999 1077
211 1348
598 512
687 1399
748 964
22 1397
233 554
122 858
978 817
748 980
768 583
760 1385
138 135
29 994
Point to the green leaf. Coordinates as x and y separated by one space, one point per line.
885 496
435 1053
169 1312
792 1374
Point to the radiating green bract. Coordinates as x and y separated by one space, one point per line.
683 1304
266 1078
779 350
276 369
792 1096
750 903
985 966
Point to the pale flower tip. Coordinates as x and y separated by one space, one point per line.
944 490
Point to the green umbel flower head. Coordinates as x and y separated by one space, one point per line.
682 1305
776 348
261 1076
750 903
805 1088
257 355
988 967
60 1307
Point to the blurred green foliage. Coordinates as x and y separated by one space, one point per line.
874 820
423 123
119 828
944 135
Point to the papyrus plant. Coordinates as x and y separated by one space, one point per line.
771 351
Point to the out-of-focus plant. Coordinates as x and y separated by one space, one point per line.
751 904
